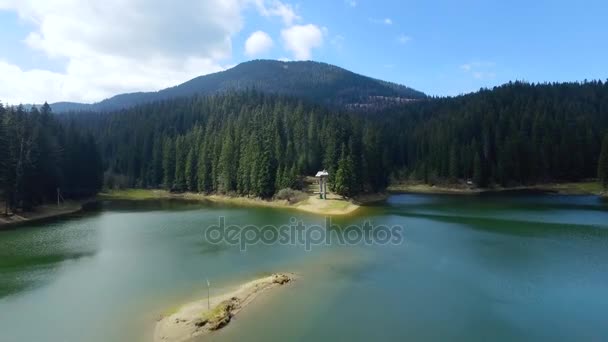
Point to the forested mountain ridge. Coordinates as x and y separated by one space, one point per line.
247 143
253 144
314 81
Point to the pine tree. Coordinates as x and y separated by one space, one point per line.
3 149
344 184
181 151
156 172
190 172
266 169
227 165
453 163
602 168
280 180
478 176
168 163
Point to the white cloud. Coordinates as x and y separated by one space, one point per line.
278 9
116 46
479 69
301 39
119 46
351 3
100 77
385 21
403 39
258 43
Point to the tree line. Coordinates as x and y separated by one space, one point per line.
245 143
254 144
249 143
602 167
515 134
38 156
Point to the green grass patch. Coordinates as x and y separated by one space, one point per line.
133 194
581 187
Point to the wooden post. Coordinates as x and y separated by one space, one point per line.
324 187
321 187
208 300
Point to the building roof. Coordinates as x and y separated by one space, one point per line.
322 174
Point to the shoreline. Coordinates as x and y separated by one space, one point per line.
42 213
208 315
572 188
333 205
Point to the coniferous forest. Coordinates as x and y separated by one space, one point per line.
39 157
253 144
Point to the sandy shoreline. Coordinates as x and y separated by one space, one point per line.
334 205
196 319
41 213
576 188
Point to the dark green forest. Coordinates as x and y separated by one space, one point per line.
518 133
246 143
253 144
602 168
38 155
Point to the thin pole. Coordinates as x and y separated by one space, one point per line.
208 303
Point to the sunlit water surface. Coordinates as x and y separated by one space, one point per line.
471 268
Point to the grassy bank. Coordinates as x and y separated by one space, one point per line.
334 205
572 188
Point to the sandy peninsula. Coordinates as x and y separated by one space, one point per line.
334 205
196 319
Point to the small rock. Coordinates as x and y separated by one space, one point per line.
201 323
281 279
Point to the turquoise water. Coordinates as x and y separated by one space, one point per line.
473 268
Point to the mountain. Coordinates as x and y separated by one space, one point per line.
319 82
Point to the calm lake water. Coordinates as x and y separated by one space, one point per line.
471 268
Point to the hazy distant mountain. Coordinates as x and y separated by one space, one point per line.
319 82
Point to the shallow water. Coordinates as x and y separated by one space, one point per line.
473 268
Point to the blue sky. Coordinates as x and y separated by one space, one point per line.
71 50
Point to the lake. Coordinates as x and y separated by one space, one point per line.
472 268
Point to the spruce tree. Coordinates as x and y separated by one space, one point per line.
3 149
344 175
227 165
190 172
478 176
453 163
168 163
602 168
181 151
204 168
156 173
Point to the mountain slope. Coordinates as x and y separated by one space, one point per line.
318 82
